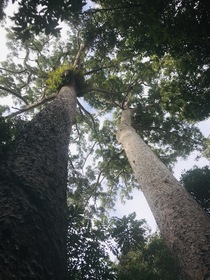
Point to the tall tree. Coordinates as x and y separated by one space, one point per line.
139 254
170 203
33 185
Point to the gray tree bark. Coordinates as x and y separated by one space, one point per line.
33 208
182 222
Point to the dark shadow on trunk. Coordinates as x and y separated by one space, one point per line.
33 209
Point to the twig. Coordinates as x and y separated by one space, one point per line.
87 113
111 94
31 69
77 61
97 69
105 91
78 132
69 158
91 149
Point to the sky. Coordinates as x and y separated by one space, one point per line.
138 204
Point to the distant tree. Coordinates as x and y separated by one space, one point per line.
153 262
140 256
128 233
87 252
197 183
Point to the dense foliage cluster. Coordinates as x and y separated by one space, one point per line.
137 254
197 183
65 75
38 16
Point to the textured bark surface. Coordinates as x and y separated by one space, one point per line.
182 222
33 210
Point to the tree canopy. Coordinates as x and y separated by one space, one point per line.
157 30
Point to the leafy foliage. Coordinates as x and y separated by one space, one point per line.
140 256
65 75
160 25
152 262
197 183
147 28
128 233
183 87
38 16
155 29
87 255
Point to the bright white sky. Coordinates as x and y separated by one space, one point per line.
138 204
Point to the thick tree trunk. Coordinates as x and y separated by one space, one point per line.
33 209
183 224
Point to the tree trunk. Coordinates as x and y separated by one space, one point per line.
182 222
33 208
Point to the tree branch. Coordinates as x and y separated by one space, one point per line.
100 10
97 69
111 94
31 69
12 71
14 93
32 106
180 137
87 113
105 91
91 149
77 61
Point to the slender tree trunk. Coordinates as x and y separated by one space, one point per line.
33 209
183 224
